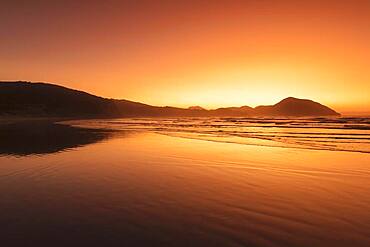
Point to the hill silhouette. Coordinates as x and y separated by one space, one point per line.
295 107
43 99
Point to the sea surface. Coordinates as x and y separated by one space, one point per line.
186 182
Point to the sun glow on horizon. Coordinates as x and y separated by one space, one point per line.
219 54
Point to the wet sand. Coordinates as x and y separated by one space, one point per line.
150 189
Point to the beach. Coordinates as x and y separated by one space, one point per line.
149 188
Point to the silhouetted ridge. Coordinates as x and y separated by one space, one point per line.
42 99
197 107
25 98
295 108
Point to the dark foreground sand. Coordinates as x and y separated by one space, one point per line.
25 136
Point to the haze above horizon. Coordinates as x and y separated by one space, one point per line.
219 54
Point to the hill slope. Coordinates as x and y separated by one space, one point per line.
42 99
295 108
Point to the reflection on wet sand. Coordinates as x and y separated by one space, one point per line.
43 137
150 189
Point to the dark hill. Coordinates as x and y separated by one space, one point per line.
42 99
294 107
48 100
242 111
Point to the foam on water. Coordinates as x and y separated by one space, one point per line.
337 134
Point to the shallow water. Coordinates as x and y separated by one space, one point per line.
150 186
338 134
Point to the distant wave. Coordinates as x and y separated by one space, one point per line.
335 134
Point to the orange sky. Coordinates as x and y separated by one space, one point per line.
208 53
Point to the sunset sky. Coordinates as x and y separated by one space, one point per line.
183 53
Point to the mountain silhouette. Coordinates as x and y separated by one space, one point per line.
43 99
295 107
197 107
